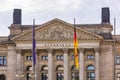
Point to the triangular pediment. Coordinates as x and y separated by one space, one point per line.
56 30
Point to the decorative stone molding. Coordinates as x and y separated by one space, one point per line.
65 50
18 51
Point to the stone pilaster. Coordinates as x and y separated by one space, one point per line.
37 65
22 63
81 64
19 62
66 69
50 64
11 63
97 76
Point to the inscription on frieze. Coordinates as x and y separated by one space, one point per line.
57 45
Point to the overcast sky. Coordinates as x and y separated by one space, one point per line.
85 11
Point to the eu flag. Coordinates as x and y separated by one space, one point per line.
33 44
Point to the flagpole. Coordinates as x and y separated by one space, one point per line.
74 44
114 47
33 50
76 62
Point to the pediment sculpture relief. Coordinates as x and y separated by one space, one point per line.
56 32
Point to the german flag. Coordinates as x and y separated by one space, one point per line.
76 62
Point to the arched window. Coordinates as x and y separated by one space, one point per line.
118 76
90 72
45 72
74 73
59 74
44 68
2 77
29 68
28 76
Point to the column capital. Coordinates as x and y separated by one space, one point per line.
18 50
65 50
81 50
49 50
96 49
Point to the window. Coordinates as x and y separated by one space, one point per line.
29 57
59 74
45 68
45 72
2 77
90 73
118 76
75 76
28 76
72 57
28 69
60 68
44 76
90 57
59 57
74 73
3 61
117 59
44 57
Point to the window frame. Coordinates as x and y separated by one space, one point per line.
90 70
59 57
74 73
90 57
3 60
44 57
44 74
29 58
117 59
118 76
3 77
59 72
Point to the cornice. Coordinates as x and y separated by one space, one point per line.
107 42
56 41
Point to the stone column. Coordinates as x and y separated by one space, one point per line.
11 62
20 74
97 76
19 63
22 63
50 64
66 71
81 64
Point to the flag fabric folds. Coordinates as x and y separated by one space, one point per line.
33 44
76 62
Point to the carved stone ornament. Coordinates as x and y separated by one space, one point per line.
55 32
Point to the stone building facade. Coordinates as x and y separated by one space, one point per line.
99 51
